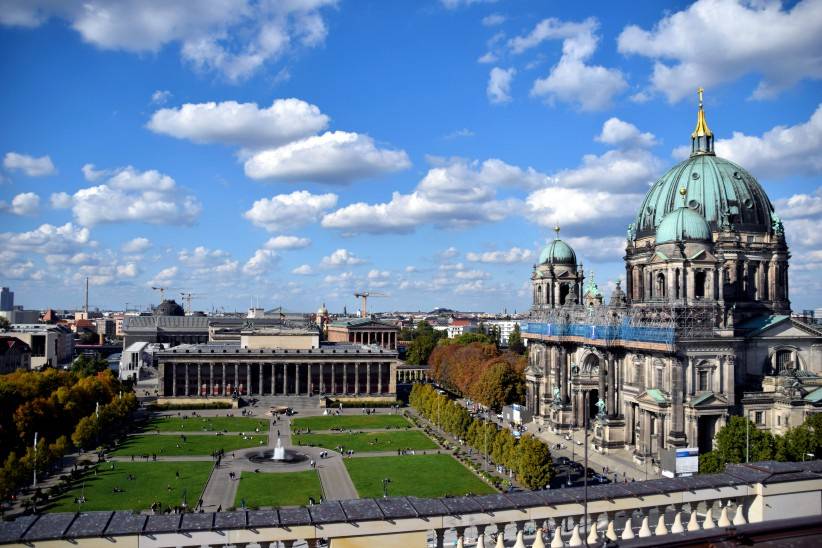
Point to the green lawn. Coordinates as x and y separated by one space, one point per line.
207 424
151 483
419 476
278 489
173 446
368 441
353 422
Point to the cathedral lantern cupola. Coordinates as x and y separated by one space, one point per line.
702 139
557 278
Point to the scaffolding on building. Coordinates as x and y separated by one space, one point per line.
659 323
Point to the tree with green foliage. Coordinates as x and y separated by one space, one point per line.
535 468
85 366
4 324
732 447
515 343
424 340
499 385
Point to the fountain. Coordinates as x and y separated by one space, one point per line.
278 455
279 451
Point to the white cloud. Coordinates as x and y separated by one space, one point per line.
288 211
46 239
487 58
233 37
160 96
800 205
717 41
570 206
458 193
25 203
455 4
226 267
260 262
91 174
341 257
29 165
243 124
128 270
61 200
132 195
779 152
605 249
510 256
164 277
464 132
303 270
615 169
571 80
333 157
624 134
287 242
493 20
137 245
201 256
449 253
342 279
499 84
471 275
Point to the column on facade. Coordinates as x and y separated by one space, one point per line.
199 378
210 379
260 388
379 378
368 378
222 382
563 368
236 377
308 384
677 396
671 283
185 384
248 378
611 401
285 379
322 378
345 378
603 372
333 378
273 378
357 379
173 379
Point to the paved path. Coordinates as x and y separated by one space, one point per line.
337 484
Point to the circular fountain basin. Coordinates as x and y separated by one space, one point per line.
289 456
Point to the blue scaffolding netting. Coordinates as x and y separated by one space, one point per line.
622 331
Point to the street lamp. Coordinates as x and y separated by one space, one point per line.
385 483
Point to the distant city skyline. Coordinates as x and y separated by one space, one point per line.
294 155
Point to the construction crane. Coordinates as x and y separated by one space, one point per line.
187 298
364 296
162 291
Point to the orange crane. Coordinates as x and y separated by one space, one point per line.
364 296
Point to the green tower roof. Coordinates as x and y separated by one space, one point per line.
558 252
683 224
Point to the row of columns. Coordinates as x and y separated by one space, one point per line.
304 383
411 375
385 339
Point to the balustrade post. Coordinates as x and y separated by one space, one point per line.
739 516
628 530
556 541
440 534
460 537
288 543
481 536
500 536
610 532
677 527
661 528
723 516
311 542
593 533
693 522
538 542
644 530
709 518
576 539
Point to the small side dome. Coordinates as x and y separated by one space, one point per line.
683 224
558 253
169 307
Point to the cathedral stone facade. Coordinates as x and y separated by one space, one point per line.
701 331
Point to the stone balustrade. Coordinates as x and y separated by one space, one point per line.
622 512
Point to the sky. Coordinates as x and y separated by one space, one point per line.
289 153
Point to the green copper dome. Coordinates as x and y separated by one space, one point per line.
682 224
558 252
723 193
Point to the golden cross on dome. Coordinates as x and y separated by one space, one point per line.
699 92
556 229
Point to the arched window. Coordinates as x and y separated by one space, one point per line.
660 285
783 360
564 289
699 285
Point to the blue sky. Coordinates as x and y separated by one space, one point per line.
298 151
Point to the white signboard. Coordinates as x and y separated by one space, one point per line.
687 461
